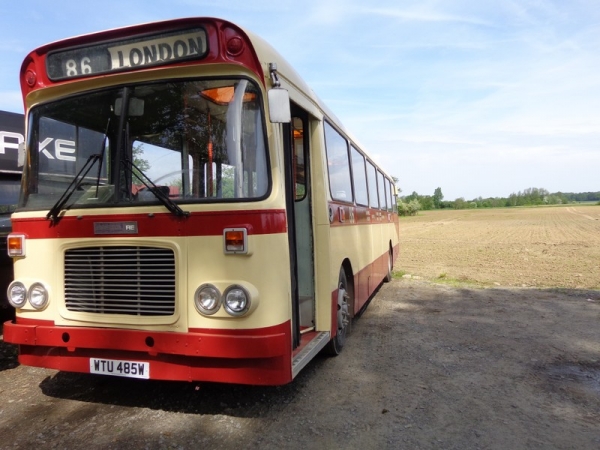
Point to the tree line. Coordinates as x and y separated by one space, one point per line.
411 204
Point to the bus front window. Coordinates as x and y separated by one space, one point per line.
196 141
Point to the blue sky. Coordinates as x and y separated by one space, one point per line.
478 98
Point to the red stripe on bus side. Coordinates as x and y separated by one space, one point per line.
197 224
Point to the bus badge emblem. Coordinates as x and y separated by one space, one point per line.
115 228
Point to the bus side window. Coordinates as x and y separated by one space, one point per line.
388 194
372 183
381 188
359 177
338 165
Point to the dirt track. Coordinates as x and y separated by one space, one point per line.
427 366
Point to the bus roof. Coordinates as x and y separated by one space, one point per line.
262 53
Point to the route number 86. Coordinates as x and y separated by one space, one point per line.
73 69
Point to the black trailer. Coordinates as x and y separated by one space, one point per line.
12 131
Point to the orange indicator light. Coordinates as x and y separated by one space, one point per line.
236 240
15 244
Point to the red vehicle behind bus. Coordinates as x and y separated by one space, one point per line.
189 210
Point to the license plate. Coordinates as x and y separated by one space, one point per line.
118 368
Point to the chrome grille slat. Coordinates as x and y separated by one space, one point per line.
116 270
120 280
91 280
134 298
158 294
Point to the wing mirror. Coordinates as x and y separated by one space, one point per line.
279 99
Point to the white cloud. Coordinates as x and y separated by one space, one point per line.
423 13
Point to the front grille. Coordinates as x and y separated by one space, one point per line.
120 280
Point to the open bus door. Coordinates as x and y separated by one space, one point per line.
300 231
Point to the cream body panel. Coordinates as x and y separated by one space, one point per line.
266 269
206 263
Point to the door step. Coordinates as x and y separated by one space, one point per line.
309 352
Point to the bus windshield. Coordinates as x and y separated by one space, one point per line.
158 143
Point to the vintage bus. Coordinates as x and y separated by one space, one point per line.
189 210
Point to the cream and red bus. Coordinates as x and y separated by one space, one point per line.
189 210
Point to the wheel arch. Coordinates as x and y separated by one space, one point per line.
346 266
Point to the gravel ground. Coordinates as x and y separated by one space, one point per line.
427 366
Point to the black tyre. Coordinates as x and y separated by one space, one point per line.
388 276
344 316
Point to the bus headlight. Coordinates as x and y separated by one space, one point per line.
38 296
17 294
236 300
207 299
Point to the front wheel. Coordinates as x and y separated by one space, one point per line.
344 317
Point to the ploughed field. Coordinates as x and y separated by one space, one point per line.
556 246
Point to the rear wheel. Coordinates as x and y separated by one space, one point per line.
388 275
344 317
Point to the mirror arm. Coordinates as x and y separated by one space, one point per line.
273 72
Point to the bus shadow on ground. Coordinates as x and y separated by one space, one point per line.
182 397
8 352
8 356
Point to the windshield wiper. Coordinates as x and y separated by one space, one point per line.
158 193
75 184
78 180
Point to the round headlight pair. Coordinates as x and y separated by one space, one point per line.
235 300
18 295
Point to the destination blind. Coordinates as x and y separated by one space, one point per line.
127 54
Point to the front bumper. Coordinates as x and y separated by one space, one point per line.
259 356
